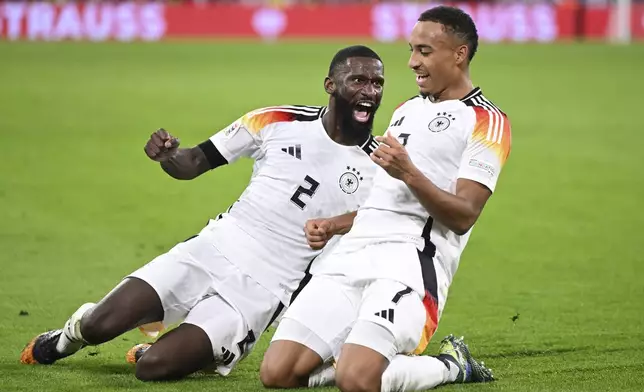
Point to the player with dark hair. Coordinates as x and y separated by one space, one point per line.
228 283
385 284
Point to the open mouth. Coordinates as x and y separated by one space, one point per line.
363 111
421 79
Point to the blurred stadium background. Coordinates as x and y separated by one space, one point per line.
549 291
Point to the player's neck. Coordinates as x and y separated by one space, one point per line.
336 129
457 90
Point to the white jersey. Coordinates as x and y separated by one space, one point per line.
468 138
300 173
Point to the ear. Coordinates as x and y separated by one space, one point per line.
329 85
461 54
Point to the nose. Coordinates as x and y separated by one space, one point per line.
371 90
414 62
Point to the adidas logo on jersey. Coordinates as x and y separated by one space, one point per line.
227 356
294 151
398 122
387 314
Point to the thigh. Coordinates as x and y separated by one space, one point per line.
394 308
178 278
321 316
229 337
257 306
235 315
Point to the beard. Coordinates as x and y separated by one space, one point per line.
348 122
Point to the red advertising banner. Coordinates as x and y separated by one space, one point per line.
151 21
91 21
637 20
495 22
268 22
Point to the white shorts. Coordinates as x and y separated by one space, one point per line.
199 286
324 315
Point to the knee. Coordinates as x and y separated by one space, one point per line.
281 373
353 379
153 367
286 369
272 375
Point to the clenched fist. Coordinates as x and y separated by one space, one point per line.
161 146
319 232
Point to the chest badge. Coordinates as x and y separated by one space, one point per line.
350 180
441 122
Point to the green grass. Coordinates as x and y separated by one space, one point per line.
559 243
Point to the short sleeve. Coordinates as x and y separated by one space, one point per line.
237 140
487 149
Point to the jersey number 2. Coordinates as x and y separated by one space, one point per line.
310 191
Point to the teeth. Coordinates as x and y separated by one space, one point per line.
367 104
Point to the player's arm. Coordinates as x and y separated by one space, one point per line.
458 211
182 163
320 231
341 224
189 163
239 139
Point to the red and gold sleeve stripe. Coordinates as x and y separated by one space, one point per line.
492 129
257 120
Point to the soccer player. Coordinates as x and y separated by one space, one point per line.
385 283
228 283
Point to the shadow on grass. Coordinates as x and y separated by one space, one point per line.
549 352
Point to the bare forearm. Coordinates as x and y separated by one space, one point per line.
186 164
344 222
455 212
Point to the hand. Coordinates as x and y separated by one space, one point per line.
393 157
319 232
161 146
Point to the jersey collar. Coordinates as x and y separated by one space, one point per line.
474 93
369 145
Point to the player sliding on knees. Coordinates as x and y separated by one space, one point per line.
384 284
228 283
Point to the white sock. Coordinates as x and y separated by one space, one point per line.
323 376
71 339
417 373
